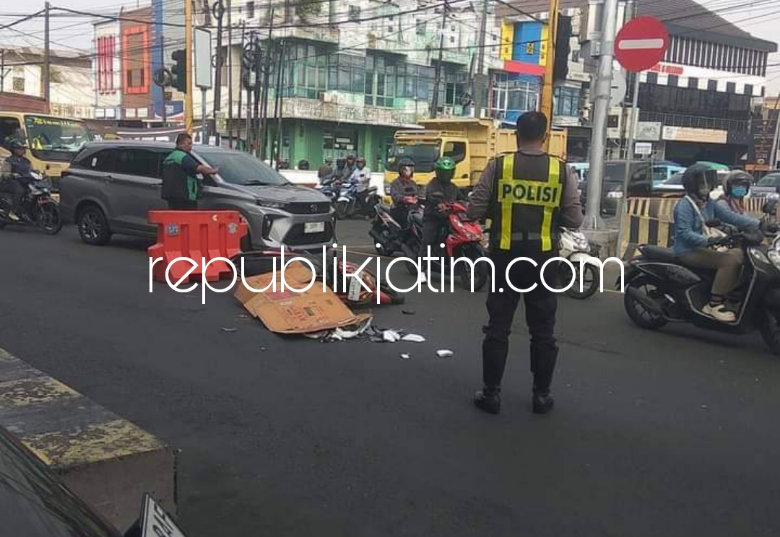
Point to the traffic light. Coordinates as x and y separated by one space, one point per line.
562 48
179 70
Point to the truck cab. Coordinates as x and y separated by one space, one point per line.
471 143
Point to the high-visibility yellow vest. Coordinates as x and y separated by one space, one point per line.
526 200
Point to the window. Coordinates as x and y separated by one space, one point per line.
354 13
305 71
381 81
103 161
135 59
250 10
455 150
9 128
731 87
106 51
420 27
566 102
142 162
18 84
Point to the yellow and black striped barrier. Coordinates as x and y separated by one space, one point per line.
651 221
106 460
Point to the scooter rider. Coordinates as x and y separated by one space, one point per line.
738 185
348 169
437 193
692 243
402 187
362 177
15 175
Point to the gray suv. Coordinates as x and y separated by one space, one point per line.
111 186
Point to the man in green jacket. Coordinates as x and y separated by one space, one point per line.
181 187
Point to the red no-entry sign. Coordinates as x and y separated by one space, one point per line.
641 44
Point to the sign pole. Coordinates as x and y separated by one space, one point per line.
188 49
629 155
549 70
773 156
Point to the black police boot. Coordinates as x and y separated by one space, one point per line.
542 401
488 399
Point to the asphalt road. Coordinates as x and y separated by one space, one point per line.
664 434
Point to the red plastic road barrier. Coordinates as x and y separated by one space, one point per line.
195 235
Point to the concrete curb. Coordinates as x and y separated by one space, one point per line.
106 460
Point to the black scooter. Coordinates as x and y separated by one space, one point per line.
38 209
659 289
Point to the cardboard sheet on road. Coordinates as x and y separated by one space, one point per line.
291 312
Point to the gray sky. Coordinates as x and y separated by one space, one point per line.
762 20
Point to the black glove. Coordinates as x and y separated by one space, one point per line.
715 241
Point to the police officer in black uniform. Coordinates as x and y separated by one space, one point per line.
528 195
16 174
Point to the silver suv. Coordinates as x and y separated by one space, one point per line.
111 186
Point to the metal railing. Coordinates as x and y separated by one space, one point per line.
697 122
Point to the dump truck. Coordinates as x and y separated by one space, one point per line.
470 142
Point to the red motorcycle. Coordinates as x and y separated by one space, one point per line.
462 238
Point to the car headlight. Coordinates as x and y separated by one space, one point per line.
270 204
615 195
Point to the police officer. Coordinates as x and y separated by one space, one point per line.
528 195
16 174
181 189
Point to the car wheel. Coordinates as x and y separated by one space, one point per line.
93 226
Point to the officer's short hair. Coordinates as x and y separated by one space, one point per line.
182 137
531 126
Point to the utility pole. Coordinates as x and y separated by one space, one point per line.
600 112
549 68
220 11
776 141
2 70
230 75
46 59
240 92
266 87
256 97
188 62
276 154
437 80
163 112
477 99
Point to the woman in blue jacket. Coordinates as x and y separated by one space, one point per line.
693 246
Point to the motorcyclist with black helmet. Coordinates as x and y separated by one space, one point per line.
15 175
403 186
738 185
693 239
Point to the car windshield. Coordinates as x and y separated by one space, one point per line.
57 139
423 155
240 168
770 180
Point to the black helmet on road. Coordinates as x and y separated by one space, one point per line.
699 180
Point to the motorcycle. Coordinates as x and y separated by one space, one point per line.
262 262
389 234
351 203
462 239
37 208
573 245
329 186
659 289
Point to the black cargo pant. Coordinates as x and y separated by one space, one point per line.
540 308
17 188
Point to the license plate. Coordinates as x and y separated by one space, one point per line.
314 227
155 522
